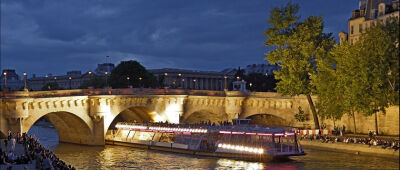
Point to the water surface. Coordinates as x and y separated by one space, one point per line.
118 157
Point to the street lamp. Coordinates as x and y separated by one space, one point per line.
5 80
237 78
194 83
70 79
128 78
90 75
140 82
106 74
225 82
25 85
166 80
183 83
251 84
179 78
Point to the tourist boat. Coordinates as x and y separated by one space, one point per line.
240 140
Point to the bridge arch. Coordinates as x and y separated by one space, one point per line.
133 113
204 115
266 119
71 127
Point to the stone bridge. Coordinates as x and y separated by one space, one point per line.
84 116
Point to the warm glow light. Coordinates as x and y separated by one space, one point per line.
219 145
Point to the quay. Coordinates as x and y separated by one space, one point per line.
19 150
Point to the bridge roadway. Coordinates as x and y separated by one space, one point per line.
84 116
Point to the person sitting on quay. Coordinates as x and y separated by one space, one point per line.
384 144
45 158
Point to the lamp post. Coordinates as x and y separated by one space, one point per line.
5 81
179 78
251 84
225 82
166 80
70 79
183 83
90 75
127 79
25 83
106 74
140 82
194 83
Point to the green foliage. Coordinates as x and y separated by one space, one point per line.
301 116
95 82
260 82
363 77
378 55
138 76
296 46
51 86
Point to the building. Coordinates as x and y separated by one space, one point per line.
72 80
265 69
193 79
367 15
12 79
103 68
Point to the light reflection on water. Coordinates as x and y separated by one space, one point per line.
117 157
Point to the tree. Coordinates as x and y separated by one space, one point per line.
295 46
51 86
334 83
378 61
260 82
132 73
362 77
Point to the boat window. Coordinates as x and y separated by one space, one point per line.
277 139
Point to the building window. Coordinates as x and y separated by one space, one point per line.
351 30
360 28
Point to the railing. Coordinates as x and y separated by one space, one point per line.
138 91
129 91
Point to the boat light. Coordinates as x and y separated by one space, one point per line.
264 134
278 134
255 150
237 133
225 132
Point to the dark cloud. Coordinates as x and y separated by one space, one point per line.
50 36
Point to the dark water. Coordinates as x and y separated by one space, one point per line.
117 157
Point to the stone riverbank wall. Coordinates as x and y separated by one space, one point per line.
388 124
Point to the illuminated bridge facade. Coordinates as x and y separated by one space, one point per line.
84 116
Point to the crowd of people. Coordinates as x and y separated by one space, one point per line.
371 140
33 152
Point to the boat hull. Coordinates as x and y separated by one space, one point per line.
249 157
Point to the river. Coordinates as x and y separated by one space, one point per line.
118 157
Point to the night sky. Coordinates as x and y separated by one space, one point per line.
55 36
